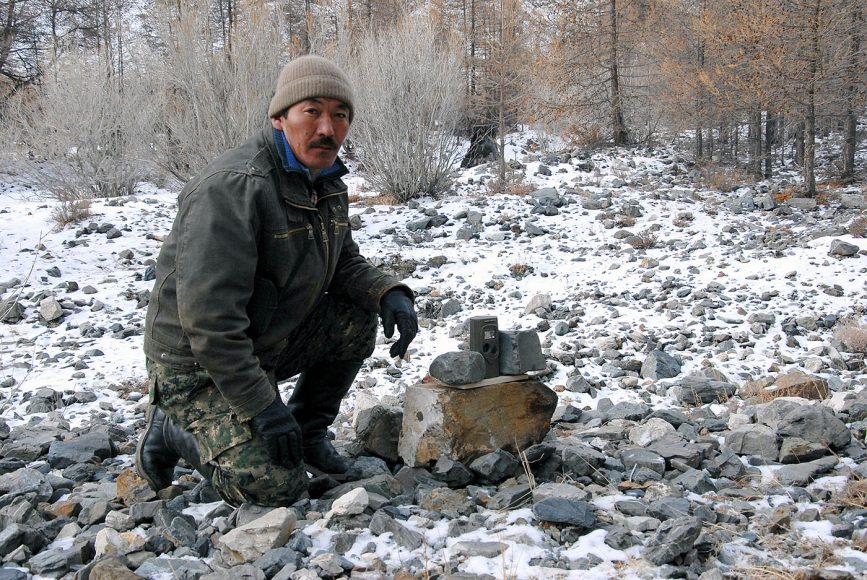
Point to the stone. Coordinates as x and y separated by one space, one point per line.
26 481
634 458
520 352
112 568
11 311
674 538
50 309
698 390
801 474
659 365
538 301
468 549
673 447
175 568
464 424
461 367
496 466
694 481
651 430
797 450
243 572
246 543
382 523
454 473
799 384
816 423
758 440
51 563
628 410
566 511
844 249
95 445
451 503
378 431
550 489
352 502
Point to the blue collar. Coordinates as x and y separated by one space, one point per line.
291 163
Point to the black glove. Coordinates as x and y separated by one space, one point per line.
280 433
396 307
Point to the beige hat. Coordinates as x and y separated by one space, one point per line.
307 77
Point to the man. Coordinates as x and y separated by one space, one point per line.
260 280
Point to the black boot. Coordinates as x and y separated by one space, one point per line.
161 446
315 403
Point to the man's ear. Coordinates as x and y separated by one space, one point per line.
277 123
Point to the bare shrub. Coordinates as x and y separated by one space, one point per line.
643 241
520 270
514 184
84 131
852 335
721 178
213 98
408 98
70 211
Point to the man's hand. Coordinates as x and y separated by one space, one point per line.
280 433
396 308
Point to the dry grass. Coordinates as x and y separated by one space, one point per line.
852 335
858 227
381 199
518 271
643 241
721 178
514 184
70 211
854 495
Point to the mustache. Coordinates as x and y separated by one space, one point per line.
326 142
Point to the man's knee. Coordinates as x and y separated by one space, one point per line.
244 474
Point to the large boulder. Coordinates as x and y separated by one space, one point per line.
464 424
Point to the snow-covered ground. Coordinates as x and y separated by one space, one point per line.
707 269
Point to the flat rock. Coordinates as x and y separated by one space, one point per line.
698 390
816 423
246 543
758 440
802 474
460 367
90 446
659 365
566 511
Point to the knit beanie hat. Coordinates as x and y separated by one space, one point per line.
307 77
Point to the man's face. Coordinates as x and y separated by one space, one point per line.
315 129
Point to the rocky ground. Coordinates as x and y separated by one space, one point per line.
707 350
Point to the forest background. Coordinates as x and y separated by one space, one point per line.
97 96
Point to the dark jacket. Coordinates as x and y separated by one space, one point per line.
248 257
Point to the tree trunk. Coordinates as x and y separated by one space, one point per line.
810 114
770 125
851 122
699 153
799 144
755 144
620 134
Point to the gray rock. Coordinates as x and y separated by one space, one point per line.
26 481
844 249
378 430
550 490
454 473
520 352
450 307
667 508
355 222
243 572
277 559
628 410
113 234
10 538
566 511
797 450
816 423
633 458
11 311
802 474
579 459
419 224
496 466
545 195
458 367
754 440
50 309
672 447
659 365
175 568
511 497
94 445
382 523
469 549
694 481
674 538
698 390
538 301
52 563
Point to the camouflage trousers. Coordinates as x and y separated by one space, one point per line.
242 468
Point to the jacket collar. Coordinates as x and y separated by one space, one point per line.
292 165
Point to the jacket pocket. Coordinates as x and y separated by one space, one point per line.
218 433
262 305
